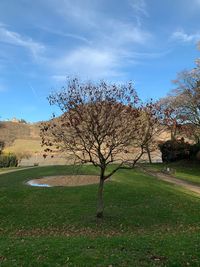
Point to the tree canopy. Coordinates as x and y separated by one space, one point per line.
100 124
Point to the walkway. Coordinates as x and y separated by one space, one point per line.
15 170
168 178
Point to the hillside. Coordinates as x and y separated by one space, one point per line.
12 131
24 138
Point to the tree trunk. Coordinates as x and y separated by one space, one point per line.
149 155
173 131
100 198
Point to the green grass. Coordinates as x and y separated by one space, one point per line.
185 170
147 222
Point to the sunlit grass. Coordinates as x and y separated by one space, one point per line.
147 222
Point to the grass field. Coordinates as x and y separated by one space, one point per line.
147 222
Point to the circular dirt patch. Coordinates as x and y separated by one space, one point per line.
68 180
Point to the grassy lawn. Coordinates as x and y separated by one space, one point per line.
184 170
147 222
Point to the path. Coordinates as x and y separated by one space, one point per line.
15 170
168 178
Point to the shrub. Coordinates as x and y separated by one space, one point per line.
194 150
174 150
9 160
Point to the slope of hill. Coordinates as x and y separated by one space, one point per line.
24 138
29 146
12 131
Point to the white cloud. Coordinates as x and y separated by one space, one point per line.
111 40
89 62
14 38
184 37
105 44
108 54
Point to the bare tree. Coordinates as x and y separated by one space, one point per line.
153 125
183 103
173 120
100 124
187 96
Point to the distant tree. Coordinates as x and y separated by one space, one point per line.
172 120
100 124
2 145
187 96
191 131
152 118
183 104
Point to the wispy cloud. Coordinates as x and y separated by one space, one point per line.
120 33
61 33
103 46
182 36
103 55
78 11
33 90
139 8
150 55
97 64
105 58
14 38
90 62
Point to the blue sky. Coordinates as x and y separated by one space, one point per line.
44 41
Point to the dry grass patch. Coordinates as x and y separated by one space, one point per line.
67 180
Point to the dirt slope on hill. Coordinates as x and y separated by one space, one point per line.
11 131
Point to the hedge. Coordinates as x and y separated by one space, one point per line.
9 160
